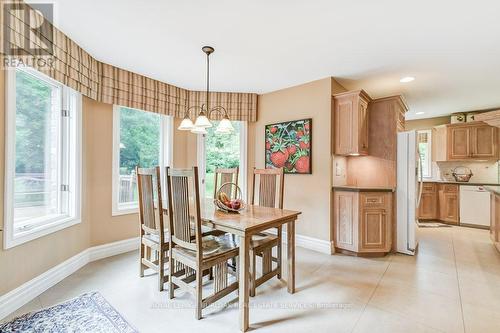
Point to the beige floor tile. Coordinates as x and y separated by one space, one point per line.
338 293
431 309
388 322
421 280
481 319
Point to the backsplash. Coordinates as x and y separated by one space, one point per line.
484 172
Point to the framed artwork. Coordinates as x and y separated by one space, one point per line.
288 145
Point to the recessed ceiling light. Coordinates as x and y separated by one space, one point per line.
407 79
421 112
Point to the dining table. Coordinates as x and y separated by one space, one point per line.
244 224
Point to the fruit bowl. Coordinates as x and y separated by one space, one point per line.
223 199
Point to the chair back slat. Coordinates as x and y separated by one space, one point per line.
270 185
149 192
184 207
180 212
228 175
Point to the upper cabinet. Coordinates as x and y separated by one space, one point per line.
350 112
469 141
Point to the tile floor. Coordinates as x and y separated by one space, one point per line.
452 285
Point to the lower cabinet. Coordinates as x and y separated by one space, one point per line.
439 202
428 209
448 204
495 219
363 221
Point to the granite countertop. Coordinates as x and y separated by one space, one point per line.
460 183
493 189
356 188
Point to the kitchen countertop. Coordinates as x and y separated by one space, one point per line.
459 183
493 189
355 188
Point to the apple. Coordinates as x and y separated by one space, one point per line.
236 204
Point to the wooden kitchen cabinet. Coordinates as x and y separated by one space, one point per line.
495 219
448 203
467 141
350 113
363 221
428 209
484 142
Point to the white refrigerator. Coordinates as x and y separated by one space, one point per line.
408 192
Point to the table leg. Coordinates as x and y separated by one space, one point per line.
244 286
290 232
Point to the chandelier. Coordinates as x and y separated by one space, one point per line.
204 112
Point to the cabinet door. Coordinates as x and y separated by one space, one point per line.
428 206
458 143
363 127
346 220
373 229
448 207
344 122
484 142
375 222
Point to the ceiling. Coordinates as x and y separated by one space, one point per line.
451 47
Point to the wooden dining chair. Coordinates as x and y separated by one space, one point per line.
198 254
271 187
228 175
154 238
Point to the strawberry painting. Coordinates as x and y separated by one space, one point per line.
288 146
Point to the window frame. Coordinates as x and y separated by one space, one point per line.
165 158
429 151
69 153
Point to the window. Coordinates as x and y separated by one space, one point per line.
222 151
139 139
424 139
43 134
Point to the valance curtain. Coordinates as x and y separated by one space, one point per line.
74 67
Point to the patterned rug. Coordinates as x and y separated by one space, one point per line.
89 312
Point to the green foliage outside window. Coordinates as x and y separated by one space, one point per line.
139 139
33 104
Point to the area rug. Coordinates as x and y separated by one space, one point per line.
89 312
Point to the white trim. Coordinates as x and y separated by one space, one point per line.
306 242
16 298
202 164
74 178
243 159
314 244
429 152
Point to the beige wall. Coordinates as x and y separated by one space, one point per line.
420 124
309 194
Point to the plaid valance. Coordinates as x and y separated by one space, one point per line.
74 67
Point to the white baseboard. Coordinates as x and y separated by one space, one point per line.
314 244
310 243
23 294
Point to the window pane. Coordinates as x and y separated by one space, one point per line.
221 151
139 146
36 182
424 148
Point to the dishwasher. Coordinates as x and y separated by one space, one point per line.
474 206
